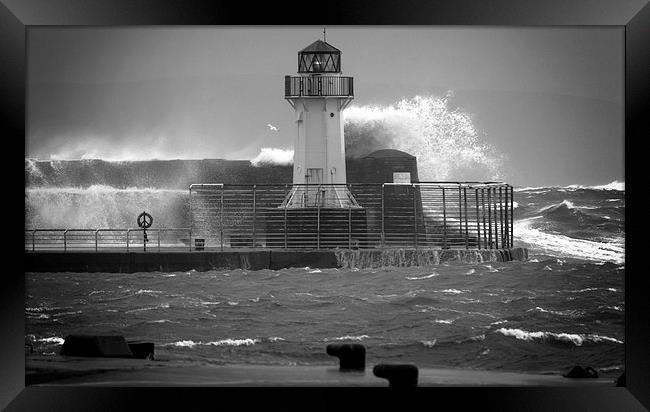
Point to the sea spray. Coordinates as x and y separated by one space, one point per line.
445 142
103 207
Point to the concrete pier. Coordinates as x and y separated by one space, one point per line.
172 261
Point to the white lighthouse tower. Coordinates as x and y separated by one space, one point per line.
319 94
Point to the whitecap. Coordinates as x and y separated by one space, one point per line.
54 339
445 321
576 339
564 246
499 322
348 337
147 291
429 343
234 342
184 344
453 291
434 274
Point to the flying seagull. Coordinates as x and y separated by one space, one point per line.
272 128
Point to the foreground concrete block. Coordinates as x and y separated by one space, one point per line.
397 375
352 356
96 346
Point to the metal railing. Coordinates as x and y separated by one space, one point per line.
317 86
108 239
466 215
421 215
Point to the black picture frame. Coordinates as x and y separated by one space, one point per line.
16 16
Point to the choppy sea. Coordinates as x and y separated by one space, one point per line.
564 306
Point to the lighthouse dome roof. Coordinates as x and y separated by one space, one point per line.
319 46
388 153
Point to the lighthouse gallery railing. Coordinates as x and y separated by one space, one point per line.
318 86
467 215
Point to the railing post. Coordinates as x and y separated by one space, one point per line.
96 236
415 219
466 229
127 239
254 216
490 218
496 218
512 213
444 219
485 242
512 216
501 215
286 191
159 241
349 226
318 200
349 187
460 213
34 240
65 241
221 219
478 223
191 217
383 234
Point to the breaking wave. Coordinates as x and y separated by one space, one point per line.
273 156
444 140
576 339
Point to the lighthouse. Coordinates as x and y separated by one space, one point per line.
318 95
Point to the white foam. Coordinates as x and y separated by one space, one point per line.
429 343
348 337
147 291
434 274
54 339
615 185
565 202
146 308
443 139
273 156
564 246
569 313
453 291
445 321
184 344
576 339
224 342
234 342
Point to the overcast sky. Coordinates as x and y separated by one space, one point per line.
550 100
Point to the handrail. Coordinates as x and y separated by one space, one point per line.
229 216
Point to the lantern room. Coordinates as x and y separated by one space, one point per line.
319 57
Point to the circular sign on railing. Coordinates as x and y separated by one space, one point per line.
145 220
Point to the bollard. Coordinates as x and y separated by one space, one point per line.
352 356
142 350
580 372
399 376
